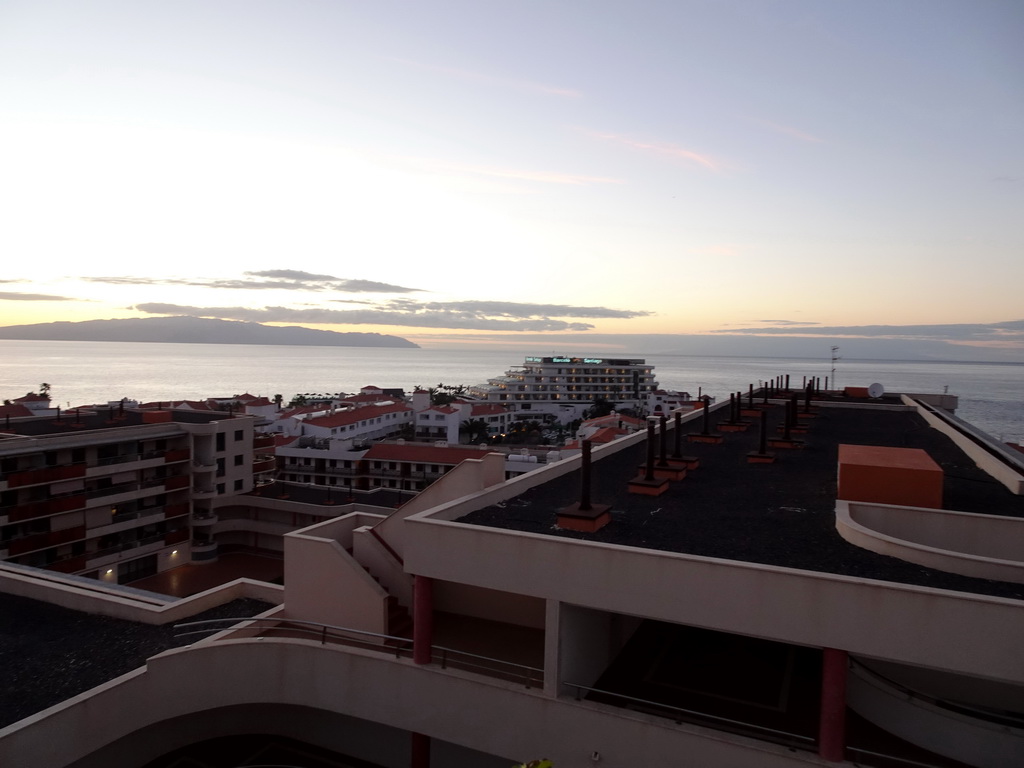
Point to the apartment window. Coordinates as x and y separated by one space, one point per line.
238 485
239 434
220 467
221 488
220 441
238 460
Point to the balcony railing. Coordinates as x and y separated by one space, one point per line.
399 647
18 512
680 715
45 475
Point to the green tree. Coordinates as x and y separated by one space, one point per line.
601 407
475 430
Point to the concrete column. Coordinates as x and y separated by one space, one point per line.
422 618
420 757
832 729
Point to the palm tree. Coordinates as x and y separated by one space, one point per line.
44 390
475 429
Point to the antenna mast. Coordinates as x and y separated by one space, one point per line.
834 358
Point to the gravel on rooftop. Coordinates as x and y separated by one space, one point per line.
49 653
779 514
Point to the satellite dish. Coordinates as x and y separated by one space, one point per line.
876 390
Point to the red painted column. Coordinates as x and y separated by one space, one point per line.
832 729
422 618
420 751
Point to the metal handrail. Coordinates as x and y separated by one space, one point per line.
322 631
893 758
703 715
1007 719
297 625
527 673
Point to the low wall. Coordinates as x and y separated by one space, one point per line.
484 714
983 546
1012 478
971 740
965 633
316 558
108 601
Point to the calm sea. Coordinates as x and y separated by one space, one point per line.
991 394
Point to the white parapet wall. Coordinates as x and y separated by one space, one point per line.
982 546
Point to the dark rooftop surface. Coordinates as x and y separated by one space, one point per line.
49 654
778 514
69 422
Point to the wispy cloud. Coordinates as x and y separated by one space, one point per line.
466 315
790 322
491 80
788 131
663 149
1003 334
427 165
274 279
11 296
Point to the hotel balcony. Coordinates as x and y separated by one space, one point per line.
20 512
264 464
203 518
199 466
43 475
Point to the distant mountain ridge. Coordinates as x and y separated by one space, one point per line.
196 330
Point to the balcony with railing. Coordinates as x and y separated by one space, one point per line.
44 475
264 464
19 512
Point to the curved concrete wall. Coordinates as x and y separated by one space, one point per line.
971 740
483 714
983 546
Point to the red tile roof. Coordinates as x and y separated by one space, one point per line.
441 409
367 398
15 410
488 409
355 415
31 397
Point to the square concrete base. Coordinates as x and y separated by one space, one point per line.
760 458
783 443
665 473
642 487
736 427
690 462
699 437
572 518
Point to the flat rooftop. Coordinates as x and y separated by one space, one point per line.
780 514
81 420
49 654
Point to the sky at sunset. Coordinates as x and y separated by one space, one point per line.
479 168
